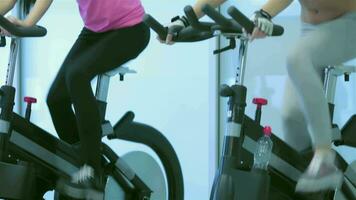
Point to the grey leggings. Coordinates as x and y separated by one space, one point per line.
305 111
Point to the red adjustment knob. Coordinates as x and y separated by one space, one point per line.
260 101
30 100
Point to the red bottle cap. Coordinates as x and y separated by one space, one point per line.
267 131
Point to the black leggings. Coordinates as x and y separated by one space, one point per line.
91 55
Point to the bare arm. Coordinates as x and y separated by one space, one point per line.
6 6
274 7
198 11
38 10
200 3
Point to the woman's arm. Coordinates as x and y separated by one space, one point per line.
38 10
274 7
182 22
199 4
263 23
36 13
6 6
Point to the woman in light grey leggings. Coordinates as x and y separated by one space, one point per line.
305 110
327 44
331 40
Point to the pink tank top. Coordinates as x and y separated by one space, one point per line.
104 15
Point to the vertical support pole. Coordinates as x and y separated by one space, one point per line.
101 94
330 80
12 62
240 75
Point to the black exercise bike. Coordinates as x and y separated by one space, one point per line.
235 179
32 160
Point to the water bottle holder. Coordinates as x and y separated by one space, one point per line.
17 181
255 180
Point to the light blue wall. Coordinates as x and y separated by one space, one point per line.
4 54
170 92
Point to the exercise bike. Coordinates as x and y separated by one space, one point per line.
235 179
32 160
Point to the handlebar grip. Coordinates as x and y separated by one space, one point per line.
33 31
188 34
248 24
156 26
194 21
192 17
241 19
216 16
277 30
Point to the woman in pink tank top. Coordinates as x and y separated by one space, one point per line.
118 14
113 34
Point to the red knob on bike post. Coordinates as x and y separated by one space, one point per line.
29 101
259 102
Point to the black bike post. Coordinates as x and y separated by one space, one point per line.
223 187
330 80
7 99
233 138
101 94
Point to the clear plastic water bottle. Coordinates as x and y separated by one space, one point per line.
263 151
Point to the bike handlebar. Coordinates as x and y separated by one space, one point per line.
222 23
18 31
248 24
194 21
229 25
198 31
188 34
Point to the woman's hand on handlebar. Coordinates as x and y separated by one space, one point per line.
257 34
18 22
177 24
15 21
172 29
263 25
3 32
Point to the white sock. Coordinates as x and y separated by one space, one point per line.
84 173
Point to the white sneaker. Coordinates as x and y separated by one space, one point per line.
85 172
83 185
322 174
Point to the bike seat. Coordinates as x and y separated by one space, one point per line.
122 71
